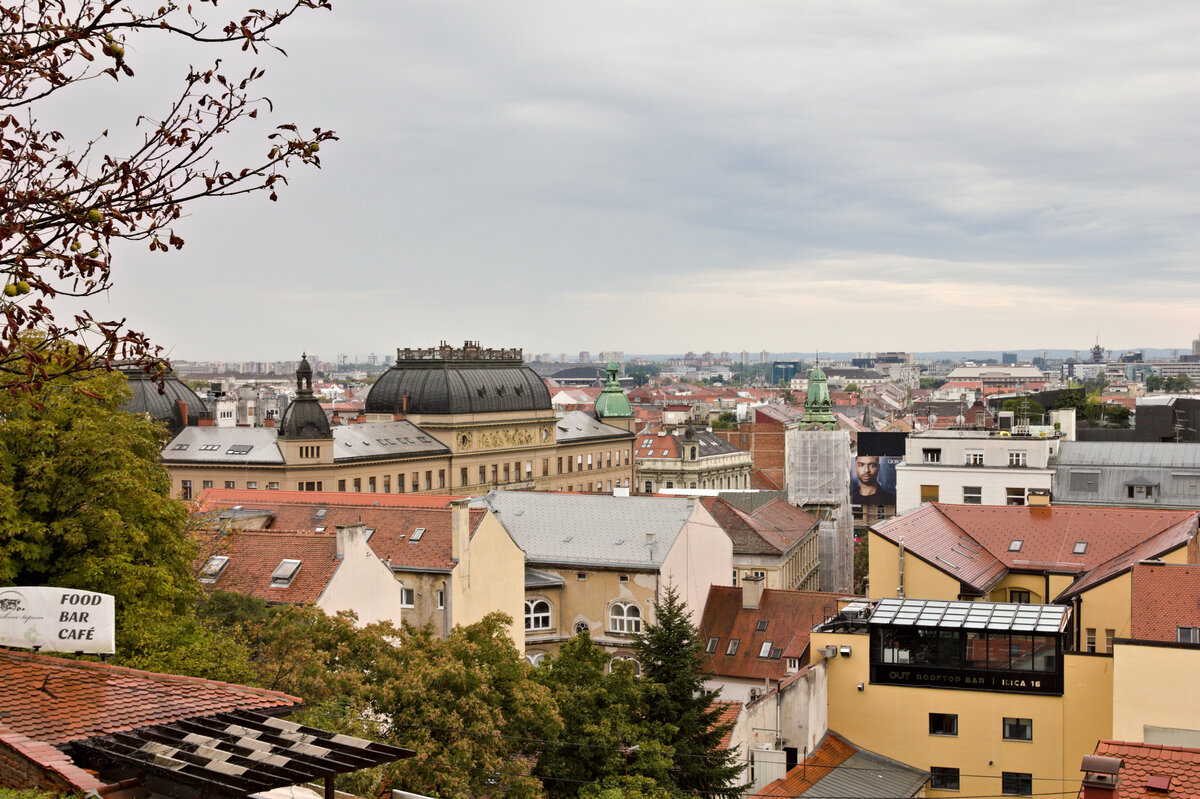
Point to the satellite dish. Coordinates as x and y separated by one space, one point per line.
932 419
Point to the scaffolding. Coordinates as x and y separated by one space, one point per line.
818 479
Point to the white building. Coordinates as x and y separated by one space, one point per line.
981 467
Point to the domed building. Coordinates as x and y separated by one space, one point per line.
170 401
445 420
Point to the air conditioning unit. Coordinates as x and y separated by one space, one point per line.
831 651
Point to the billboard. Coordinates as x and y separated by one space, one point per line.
873 480
57 620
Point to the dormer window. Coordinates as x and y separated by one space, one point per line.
213 568
284 574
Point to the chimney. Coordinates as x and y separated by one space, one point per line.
268 422
752 590
1101 775
206 421
460 528
350 537
183 412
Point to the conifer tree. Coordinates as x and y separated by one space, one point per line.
672 658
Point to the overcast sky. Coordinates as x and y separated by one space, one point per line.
665 176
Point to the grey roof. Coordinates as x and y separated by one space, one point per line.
146 398
580 426
1182 455
257 445
540 579
710 444
866 775
460 384
591 529
370 440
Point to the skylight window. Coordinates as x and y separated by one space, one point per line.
1080 548
179 446
284 574
239 449
762 626
320 529
1015 545
213 568
765 650
416 536
209 447
320 514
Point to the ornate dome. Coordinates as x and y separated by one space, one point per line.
164 405
304 417
449 380
612 401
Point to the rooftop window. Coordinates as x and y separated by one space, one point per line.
1080 548
761 626
213 568
209 447
1015 545
239 449
284 573
416 535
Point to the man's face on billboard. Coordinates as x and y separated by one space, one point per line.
867 467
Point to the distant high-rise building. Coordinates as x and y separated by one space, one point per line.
1196 346
585 357
764 356
1009 359
745 359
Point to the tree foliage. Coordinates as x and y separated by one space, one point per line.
672 657
64 206
1024 407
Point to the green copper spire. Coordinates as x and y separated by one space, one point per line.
612 402
818 408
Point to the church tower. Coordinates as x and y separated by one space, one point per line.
818 407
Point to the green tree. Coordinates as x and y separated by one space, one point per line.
1117 415
470 708
852 387
1180 383
726 421
932 382
84 500
604 736
1024 407
671 654
1154 382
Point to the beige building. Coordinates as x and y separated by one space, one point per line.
444 421
689 459
772 540
596 564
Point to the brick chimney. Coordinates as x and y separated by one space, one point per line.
1101 776
351 539
460 528
752 590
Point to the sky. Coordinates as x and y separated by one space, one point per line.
670 176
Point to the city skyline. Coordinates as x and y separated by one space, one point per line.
859 172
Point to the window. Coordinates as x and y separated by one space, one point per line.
1018 457
229 484
1015 545
209 447
650 490
579 462
213 568
559 466
582 627
931 456
251 484
943 724
545 467
1091 639
506 473
1085 482
284 573
1014 496
1018 729
1019 596
711 647
429 480
537 614
408 597
1016 783
206 484
462 476
1080 548
1139 492
761 627
1187 635
441 599
185 489
624 578
441 478
371 484
974 457
272 486
358 484
180 446
341 485
972 495
416 535
1109 636
589 460
733 646
734 583
581 576
943 778
625 618
929 494
764 651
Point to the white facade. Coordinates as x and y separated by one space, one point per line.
977 467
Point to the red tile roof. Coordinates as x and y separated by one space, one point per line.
730 711
831 753
760 482
772 529
973 542
1165 596
56 701
255 554
394 524
228 497
1144 761
790 617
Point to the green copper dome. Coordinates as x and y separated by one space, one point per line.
612 401
818 407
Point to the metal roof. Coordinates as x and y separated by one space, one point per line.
591 529
258 445
866 775
1182 455
382 440
581 426
989 616
451 380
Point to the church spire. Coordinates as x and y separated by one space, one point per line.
818 407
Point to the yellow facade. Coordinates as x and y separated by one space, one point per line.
583 601
1160 708
894 721
920 580
489 576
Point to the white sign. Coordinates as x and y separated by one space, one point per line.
57 620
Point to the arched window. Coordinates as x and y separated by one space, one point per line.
535 658
637 667
624 618
582 627
537 614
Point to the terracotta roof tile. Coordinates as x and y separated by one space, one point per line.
255 554
772 529
1165 596
831 753
789 616
730 711
55 701
1143 761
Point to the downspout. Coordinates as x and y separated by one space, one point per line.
900 587
1076 601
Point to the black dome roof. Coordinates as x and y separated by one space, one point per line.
304 417
450 380
162 406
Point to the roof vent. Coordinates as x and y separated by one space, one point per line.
1102 773
284 574
1156 782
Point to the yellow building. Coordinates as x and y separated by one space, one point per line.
443 420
